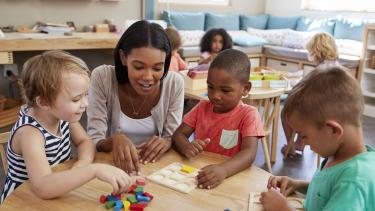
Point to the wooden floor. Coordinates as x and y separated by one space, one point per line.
302 168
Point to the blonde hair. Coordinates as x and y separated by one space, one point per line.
326 93
174 38
42 74
322 46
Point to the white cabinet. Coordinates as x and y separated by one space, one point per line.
368 70
282 65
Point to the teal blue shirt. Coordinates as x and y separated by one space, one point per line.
349 185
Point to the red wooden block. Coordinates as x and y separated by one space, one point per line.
141 182
132 188
103 199
118 196
136 207
148 195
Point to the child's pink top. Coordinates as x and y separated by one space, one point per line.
225 130
177 63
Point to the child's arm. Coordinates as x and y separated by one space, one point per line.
212 175
85 147
203 60
183 145
29 142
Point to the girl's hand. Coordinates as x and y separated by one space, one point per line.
152 150
195 147
211 176
117 178
273 200
125 155
287 185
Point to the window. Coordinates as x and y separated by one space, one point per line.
339 5
210 2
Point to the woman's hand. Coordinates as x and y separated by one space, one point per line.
152 150
125 155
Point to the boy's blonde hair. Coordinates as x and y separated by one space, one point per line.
42 74
174 38
322 46
324 94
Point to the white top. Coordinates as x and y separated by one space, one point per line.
138 130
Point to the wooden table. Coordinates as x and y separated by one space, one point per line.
233 193
39 42
255 94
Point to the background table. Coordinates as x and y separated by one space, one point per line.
233 193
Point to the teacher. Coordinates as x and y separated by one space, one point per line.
136 105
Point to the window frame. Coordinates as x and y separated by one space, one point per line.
338 5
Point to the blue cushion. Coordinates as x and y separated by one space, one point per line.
275 22
350 28
185 20
317 25
257 21
249 41
227 22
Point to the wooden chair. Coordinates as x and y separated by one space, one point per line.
268 104
3 144
290 145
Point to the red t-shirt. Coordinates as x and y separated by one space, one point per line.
225 130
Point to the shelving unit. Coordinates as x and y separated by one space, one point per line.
367 68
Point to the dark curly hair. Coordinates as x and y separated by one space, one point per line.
206 41
141 34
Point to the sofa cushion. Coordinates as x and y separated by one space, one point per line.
185 20
350 28
273 36
227 22
275 22
297 39
317 25
257 21
242 38
191 37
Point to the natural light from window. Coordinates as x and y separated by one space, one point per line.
210 2
340 5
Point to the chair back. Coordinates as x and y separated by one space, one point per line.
3 144
9 116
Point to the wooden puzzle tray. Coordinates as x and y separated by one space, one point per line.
255 205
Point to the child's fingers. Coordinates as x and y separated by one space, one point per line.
197 146
271 182
283 186
114 186
288 191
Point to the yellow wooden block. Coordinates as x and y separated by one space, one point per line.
187 169
126 204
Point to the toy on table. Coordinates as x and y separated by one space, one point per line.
135 199
176 176
256 205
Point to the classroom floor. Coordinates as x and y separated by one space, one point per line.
302 168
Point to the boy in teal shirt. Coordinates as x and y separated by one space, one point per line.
326 110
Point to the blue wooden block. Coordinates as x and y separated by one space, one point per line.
143 198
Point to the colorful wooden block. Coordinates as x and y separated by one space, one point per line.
141 182
126 204
109 204
143 198
132 199
138 189
103 199
111 198
136 207
118 205
132 188
143 203
148 195
187 169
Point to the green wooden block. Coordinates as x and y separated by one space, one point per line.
139 189
132 199
109 204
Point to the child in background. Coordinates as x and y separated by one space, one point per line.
322 51
177 63
224 124
325 108
213 42
56 85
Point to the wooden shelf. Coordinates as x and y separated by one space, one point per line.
371 47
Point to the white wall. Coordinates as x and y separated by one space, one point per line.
81 12
245 7
293 7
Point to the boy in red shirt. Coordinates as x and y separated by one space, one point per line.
224 124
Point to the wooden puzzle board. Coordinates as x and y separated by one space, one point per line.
255 205
172 177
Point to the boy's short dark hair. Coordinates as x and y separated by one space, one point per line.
234 62
326 93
